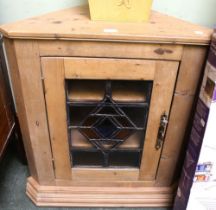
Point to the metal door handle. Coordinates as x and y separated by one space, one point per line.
161 130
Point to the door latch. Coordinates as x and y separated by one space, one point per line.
161 130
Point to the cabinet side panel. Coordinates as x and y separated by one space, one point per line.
16 85
190 70
189 74
24 63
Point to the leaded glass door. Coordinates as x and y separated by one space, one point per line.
105 115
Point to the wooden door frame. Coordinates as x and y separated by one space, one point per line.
56 70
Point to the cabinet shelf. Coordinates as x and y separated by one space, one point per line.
94 91
78 141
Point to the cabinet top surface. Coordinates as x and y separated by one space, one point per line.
75 23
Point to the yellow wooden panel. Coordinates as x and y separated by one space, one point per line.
120 10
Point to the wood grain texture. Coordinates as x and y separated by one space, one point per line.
106 183
24 65
162 93
54 75
192 63
180 114
99 196
75 23
108 49
105 175
20 107
99 68
189 74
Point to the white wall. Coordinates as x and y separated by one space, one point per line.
11 10
197 11
202 12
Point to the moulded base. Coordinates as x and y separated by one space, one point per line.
70 196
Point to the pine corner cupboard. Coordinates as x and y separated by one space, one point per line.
104 107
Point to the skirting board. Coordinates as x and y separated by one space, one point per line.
67 196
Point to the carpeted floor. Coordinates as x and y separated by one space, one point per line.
12 187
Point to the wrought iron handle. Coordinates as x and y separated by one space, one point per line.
161 130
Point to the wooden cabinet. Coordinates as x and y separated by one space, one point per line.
104 107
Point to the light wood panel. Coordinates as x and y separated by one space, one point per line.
20 107
85 90
115 69
106 183
53 72
193 60
75 23
109 49
107 175
180 114
188 80
129 91
24 64
99 196
162 93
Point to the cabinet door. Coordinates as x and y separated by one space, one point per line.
90 79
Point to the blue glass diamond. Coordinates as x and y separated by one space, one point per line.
106 128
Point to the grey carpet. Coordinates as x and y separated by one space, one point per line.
12 187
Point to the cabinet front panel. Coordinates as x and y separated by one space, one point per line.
104 116
111 50
113 69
